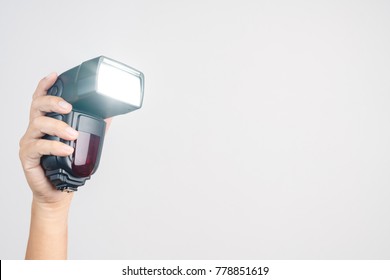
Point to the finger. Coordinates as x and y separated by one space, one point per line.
43 125
45 84
46 104
36 149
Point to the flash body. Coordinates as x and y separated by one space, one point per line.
99 88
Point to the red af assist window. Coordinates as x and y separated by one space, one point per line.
85 154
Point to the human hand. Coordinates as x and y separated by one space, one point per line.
33 147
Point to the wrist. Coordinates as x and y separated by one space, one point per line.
56 208
48 229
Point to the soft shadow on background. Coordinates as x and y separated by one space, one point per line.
264 132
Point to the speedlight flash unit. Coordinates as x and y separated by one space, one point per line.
97 89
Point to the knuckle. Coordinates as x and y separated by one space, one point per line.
34 123
21 153
38 102
22 161
35 102
21 142
38 123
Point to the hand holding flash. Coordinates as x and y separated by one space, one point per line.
99 88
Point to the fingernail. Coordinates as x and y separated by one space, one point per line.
67 149
64 105
71 131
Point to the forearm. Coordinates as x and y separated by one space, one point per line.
49 230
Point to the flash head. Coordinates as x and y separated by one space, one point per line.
97 89
101 87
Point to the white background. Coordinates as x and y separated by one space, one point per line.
264 132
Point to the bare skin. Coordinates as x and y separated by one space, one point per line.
49 211
48 237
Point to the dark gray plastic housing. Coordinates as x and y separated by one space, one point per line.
83 92
97 89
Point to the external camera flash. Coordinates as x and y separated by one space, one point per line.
97 89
